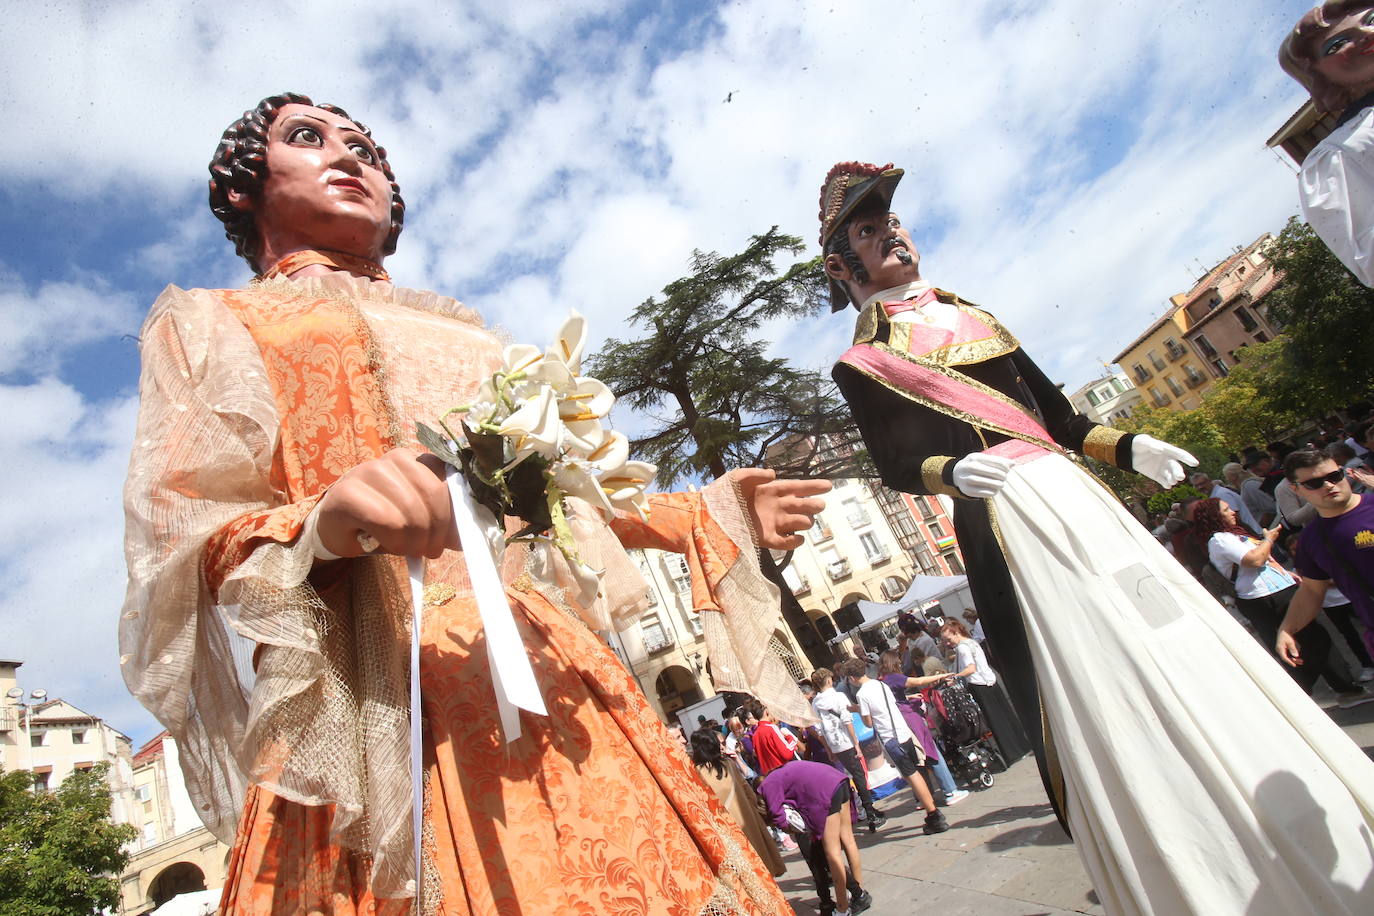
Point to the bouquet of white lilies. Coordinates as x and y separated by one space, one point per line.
534 437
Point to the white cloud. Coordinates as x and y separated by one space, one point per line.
62 573
39 325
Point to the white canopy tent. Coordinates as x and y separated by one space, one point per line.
922 591
194 903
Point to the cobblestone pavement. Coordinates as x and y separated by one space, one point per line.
1005 854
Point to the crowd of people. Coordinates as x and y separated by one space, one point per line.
1261 541
807 788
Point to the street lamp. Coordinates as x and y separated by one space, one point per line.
36 696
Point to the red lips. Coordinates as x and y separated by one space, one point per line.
353 183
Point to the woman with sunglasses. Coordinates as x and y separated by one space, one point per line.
1263 591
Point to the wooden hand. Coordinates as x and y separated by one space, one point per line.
780 509
399 500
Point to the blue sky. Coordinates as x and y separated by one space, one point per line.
1067 162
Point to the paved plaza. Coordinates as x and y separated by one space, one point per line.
1005 854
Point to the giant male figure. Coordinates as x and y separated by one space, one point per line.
1194 775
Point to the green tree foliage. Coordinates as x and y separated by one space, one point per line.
1162 501
1191 430
1326 315
718 401
703 374
1254 404
60 854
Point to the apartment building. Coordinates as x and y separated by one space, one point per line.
1198 339
1108 399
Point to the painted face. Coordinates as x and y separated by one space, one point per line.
325 187
885 249
1345 51
1330 495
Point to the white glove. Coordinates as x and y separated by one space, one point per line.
981 475
794 818
1159 461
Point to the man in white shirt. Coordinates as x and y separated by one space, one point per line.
837 730
879 711
975 626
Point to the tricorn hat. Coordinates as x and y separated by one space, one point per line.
846 186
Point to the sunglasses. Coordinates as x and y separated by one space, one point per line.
1316 483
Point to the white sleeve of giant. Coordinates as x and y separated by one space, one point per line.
1336 188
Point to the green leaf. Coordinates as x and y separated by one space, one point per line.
438 444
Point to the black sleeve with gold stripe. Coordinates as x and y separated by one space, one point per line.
1066 425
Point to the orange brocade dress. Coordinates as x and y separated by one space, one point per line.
594 809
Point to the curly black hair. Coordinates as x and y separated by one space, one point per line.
240 163
838 243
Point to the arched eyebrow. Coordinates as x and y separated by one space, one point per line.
343 126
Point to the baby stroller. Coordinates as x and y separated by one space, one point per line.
962 733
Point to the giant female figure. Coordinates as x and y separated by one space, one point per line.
1194 775
272 496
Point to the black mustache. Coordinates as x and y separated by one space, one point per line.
892 243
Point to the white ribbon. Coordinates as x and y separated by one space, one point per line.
416 567
511 673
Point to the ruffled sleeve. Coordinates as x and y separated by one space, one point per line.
202 456
736 602
1336 188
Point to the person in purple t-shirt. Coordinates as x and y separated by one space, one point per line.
1338 545
820 794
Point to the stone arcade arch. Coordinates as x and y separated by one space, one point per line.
676 688
177 878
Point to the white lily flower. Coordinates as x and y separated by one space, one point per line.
569 342
612 452
582 437
576 477
531 368
581 476
588 583
624 486
518 358
586 399
534 428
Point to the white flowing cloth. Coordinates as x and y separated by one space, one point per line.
1336 189
1199 777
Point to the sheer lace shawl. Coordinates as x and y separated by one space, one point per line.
737 631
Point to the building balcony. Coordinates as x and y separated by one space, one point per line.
1160 400
1157 363
655 643
838 570
1194 381
1175 353
858 519
878 559
1142 375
